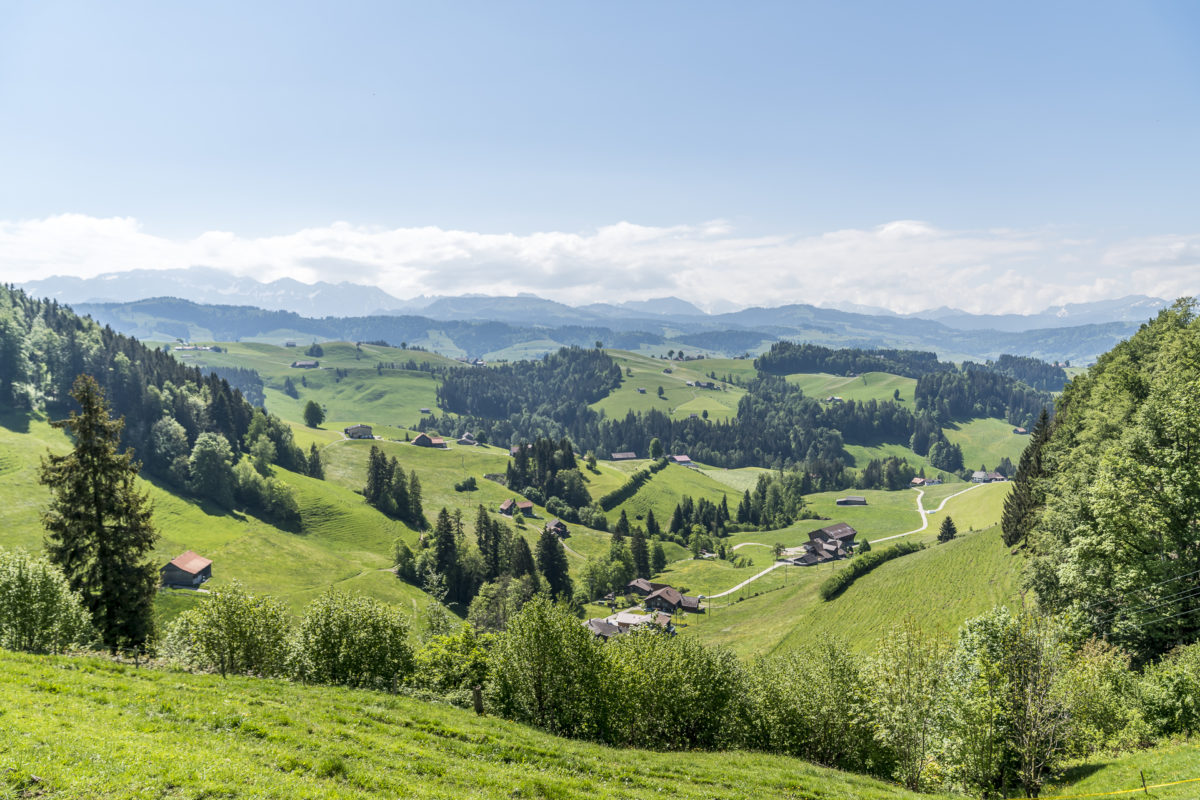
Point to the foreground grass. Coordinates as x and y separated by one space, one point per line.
78 727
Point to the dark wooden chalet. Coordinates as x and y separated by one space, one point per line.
425 440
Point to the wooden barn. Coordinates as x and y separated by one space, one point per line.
188 570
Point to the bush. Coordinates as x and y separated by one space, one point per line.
232 631
839 581
352 640
38 611
469 485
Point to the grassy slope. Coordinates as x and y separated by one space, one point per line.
667 487
342 541
940 587
868 386
986 441
1166 764
679 399
152 733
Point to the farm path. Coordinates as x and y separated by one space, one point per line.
924 525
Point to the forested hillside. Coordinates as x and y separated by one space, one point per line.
1107 499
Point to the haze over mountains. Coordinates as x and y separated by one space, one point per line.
212 286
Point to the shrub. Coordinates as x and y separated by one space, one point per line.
38 611
352 640
232 631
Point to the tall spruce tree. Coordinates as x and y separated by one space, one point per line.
653 529
445 554
416 511
522 558
316 469
552 561
948 530
1022 502
641 553
98 526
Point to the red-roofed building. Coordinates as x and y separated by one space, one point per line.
188 570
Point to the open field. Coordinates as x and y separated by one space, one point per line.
679 400
342 542
166 733
868 386
1169 764
986 441
940 587
667 487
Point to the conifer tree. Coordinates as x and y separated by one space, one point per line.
1022 502
376 472
98 526
445 553
622 528
315 468
653 529
522 558
399 491
641 553
416 510
552 561
948 530
658 558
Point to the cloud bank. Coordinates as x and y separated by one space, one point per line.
903 265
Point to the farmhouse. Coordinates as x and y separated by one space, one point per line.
426 411
467 439
1020 431
995 477
682 460
640 390
625 620
305 364
979 476
626 456
558 528
827 544
602 628
916 482
358 432
507 507
188 570
525 507
425 440
669 600
851 500
289 344
642 587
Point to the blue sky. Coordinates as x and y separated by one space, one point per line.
1070 124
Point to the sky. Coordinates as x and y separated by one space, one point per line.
992 157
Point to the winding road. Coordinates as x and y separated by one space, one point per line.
924 525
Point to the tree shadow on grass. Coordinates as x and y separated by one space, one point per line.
15 421
1078 772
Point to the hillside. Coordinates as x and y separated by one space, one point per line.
170 733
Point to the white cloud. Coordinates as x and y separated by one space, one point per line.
906 265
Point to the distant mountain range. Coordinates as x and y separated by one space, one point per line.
221 306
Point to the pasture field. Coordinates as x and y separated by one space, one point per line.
667 487
678 399
1169 763
939 587
342 541
868 386
986 441
159 732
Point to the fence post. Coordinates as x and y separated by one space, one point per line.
477 696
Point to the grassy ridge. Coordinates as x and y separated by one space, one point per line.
986 441
868 386
163 733
679 400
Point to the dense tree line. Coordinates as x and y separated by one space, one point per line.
976 391
393 492
546 469
246 381
1107 496
788 358
169 409
552 387
1032 372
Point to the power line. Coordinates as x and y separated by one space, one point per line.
1150 586
1171 598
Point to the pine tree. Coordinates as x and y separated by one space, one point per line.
641 553
552 561
315 468
678 523
487 536
400 500
522 558
1022 502
376 480
416 510
948 530
653 530
658 558
445 553
98 525
622 528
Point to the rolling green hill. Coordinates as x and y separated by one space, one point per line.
678 399
166 733
868 386
986 441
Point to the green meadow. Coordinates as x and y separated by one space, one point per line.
986 441
678 399
868 386
85 727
